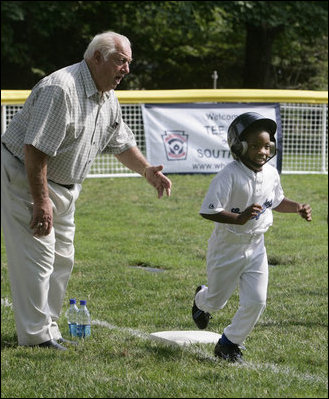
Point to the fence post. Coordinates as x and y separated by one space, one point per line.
3 119
324 119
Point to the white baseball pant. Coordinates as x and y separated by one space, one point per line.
236 260
39 267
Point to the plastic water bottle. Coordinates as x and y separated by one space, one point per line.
72 318
83 329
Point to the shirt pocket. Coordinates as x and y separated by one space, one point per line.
109 131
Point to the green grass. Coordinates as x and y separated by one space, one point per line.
304 162
121 223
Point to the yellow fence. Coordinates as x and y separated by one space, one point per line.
191 96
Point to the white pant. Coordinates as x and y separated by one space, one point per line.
39 268
232 261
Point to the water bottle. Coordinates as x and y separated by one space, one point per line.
83 329
72 318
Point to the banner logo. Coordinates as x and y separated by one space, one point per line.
175 142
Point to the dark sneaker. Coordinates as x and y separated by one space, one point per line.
229 352
200 317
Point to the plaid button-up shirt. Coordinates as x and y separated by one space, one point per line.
66 118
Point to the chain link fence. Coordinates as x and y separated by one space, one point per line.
304 131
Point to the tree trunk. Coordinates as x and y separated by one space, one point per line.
258 57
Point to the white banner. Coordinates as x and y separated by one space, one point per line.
192 138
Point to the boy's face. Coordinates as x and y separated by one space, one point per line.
259 150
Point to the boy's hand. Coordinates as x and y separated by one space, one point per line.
305 212
249 213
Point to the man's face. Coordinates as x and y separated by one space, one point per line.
109 73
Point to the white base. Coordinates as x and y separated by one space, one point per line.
187 337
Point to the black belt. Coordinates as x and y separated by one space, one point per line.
68 186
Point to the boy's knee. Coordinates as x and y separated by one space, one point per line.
255 306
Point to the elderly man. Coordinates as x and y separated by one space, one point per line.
46 153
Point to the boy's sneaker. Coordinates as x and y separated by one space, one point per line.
229 352
200 317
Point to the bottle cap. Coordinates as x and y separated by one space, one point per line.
83 302
72 301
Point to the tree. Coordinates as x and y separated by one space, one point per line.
176 44
278 25
37 38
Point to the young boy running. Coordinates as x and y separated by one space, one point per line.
240 200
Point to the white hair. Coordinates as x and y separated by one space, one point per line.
107 43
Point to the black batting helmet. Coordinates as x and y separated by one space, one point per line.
239 126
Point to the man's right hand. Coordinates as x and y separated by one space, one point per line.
42 219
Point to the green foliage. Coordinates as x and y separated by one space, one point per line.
120 224
176 44
284 48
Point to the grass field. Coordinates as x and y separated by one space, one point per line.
121 224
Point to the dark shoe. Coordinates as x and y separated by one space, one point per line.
200 317
229 352
66 341
52 344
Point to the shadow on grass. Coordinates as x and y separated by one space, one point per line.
9 341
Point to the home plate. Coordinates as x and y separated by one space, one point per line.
187 337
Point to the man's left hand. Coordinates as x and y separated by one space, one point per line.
158 180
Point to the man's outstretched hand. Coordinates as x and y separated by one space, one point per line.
157 179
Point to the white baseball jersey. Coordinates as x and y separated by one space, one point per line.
236 187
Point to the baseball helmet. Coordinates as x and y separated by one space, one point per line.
240 125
